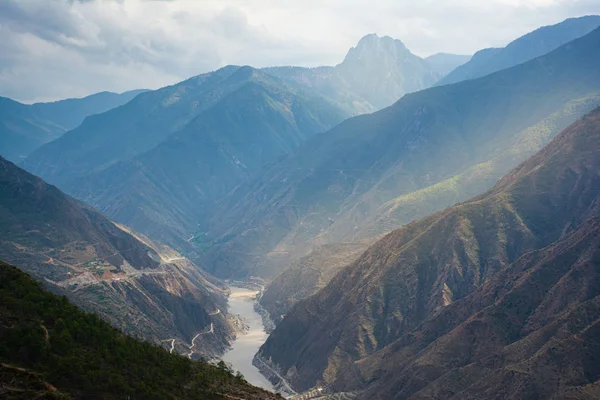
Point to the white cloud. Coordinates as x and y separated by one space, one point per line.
63 48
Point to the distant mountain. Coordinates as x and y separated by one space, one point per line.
70 113
444 63
160 162
373 75
534 44
24 128
143 288
429 150
140 125
382 70
494 298
52 350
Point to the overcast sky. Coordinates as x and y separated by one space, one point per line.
54 49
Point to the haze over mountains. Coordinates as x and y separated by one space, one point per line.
429 150
378 71
407 227
525 48
444 63
308 275
493 298
159 163
202 138
25 127
164 172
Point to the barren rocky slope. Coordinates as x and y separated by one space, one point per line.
141 287
308 275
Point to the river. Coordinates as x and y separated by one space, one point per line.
241 302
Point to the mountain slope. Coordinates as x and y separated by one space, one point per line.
50 349
537 338
349 172
534 44
143 288
121 133
24 128
308 275
456 305
473 181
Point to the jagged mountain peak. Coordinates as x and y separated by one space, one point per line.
382 69
371 47
374 39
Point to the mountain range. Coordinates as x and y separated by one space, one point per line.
530 46
26 127
425 228
493 298
159 171
373 75
304 277
160 162
429 150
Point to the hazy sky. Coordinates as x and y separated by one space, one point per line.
53 49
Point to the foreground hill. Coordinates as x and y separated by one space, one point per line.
462 136
534 44
143 288
494 298
24 128
49 349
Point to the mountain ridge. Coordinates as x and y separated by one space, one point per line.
527 47
136 142
26 127
359 165
380 309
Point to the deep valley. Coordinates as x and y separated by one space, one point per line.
413 219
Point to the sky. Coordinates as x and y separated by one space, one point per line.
55 49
